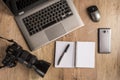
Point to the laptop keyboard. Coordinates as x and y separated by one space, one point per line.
47 17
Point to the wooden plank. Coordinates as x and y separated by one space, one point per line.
107 65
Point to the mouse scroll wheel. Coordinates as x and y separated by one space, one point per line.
92 8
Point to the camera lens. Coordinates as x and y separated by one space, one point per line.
41 67
104 31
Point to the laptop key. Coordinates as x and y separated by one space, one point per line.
49 24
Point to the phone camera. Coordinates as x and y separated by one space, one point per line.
104 31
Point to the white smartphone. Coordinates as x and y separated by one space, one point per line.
104 40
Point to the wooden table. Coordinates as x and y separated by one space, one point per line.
107 65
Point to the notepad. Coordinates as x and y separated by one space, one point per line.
79 54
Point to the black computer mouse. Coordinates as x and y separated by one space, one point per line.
94 13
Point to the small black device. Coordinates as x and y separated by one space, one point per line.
94 13
15 52
104 40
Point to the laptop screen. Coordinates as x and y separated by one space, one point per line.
21 4
17 6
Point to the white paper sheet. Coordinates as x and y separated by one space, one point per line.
85 54
68 59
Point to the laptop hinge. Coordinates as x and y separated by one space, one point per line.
21 13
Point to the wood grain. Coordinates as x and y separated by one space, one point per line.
107 65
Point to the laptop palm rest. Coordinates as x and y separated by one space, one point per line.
55 31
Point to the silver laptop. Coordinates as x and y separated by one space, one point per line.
42 21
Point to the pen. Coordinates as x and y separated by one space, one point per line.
63 54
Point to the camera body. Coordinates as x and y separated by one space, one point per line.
15 53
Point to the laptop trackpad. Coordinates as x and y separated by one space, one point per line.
55 31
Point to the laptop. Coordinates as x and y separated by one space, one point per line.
43 21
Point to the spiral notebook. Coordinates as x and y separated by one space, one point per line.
79 54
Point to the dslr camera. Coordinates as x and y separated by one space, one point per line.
15 53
